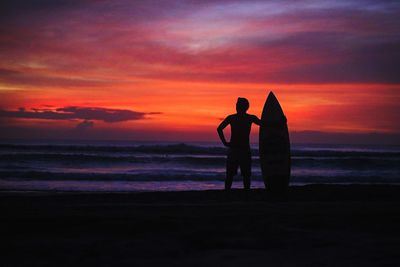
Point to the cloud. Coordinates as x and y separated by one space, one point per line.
29 77
249 41
84 125
73 112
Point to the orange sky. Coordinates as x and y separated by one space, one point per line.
178 69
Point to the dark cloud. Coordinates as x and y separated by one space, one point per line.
139 9
12 8
336 57
6 72
9 5
26 78
84 125
73 112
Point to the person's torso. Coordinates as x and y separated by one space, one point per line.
240 130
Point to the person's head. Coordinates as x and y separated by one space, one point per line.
242 105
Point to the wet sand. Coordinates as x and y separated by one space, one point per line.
318 225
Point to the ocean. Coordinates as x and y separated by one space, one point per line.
142 166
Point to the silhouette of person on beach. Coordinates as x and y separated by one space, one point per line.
239 152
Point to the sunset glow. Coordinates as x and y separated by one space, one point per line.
171 70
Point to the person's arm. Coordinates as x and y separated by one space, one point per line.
256 120
221 128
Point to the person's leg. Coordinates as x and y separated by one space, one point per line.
228 182
246 182
245 169
231 168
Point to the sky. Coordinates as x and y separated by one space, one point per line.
172 70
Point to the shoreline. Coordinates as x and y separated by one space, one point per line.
294 190
165 186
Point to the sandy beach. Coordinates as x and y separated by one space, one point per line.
316 225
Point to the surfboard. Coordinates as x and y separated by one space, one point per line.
274 147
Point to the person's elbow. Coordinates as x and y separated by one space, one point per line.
257 121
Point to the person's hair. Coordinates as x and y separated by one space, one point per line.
242 104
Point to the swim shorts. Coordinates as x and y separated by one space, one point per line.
238 157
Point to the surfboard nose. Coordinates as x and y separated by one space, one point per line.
271 95
272 110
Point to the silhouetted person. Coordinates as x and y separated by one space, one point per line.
239 152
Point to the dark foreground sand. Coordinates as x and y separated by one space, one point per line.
315 226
